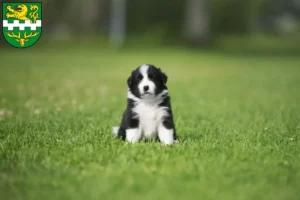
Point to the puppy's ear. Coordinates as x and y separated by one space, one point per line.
164 77
129 81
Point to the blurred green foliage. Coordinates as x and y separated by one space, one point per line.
164 20
226 16
167 16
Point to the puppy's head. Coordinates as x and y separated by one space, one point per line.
147 81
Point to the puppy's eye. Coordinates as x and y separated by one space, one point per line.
150 77
140 77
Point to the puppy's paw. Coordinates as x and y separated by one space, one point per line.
115 130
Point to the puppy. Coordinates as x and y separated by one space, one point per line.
148 114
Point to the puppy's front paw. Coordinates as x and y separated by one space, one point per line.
166 136
133 135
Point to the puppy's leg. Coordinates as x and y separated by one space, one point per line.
133 135
133 132
166 136
129 129
166 131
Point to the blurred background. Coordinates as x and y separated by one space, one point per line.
253 26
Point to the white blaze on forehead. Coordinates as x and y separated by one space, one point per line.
145 81
144 70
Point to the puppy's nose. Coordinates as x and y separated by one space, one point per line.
146 88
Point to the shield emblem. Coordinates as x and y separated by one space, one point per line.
22 23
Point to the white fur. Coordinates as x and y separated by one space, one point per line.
165 135
115 130
146 81
133 135
150 115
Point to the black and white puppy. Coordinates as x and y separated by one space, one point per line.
148 114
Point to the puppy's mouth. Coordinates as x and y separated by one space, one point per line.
146 93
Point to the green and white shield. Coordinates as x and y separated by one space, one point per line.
22 23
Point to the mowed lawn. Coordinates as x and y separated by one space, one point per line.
237 117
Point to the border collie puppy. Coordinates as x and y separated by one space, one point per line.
148 114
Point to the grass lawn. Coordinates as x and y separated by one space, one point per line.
237 117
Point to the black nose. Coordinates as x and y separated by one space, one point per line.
146 88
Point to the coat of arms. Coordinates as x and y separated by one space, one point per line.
22 23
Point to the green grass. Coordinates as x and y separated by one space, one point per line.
237 117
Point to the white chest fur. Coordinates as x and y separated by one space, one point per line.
150 117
